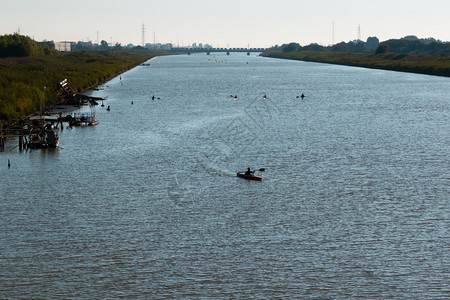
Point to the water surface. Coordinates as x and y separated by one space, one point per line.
353 201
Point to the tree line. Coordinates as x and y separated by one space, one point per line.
409 44
15 45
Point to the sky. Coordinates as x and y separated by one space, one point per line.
225 23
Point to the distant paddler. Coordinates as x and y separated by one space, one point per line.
249 175
249 171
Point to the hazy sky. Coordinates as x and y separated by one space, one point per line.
233 23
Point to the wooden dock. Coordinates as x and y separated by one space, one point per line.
13 133
32 135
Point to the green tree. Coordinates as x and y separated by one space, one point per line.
290 47
78 47
341 47
372 42
15 45
104 45
381 49
313 47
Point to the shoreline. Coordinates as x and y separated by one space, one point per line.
346 60
62 107
85 71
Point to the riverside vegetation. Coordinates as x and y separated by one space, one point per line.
409 54
26 67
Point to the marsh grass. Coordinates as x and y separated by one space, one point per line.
415 63
23 78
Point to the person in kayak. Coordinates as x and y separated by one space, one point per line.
249 172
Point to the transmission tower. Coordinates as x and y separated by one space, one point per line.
143 35
332 35
359 32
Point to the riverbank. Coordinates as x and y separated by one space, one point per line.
413 63
23 79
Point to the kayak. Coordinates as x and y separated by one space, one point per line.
249 177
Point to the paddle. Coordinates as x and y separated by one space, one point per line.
260 170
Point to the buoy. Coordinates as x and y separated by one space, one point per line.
9 164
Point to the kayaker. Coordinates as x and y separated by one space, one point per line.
249 172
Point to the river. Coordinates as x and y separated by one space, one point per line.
353 201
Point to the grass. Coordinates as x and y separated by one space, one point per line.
415 63
22 79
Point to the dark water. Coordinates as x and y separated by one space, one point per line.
354 201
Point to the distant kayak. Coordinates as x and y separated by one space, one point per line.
249 177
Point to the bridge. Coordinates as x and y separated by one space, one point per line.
209 50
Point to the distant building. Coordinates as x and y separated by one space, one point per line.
87 45
64 46
159 46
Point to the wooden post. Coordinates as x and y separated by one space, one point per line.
20 142
60 119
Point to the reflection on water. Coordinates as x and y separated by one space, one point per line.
353 201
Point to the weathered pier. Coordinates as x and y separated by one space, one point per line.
33 134
13 133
